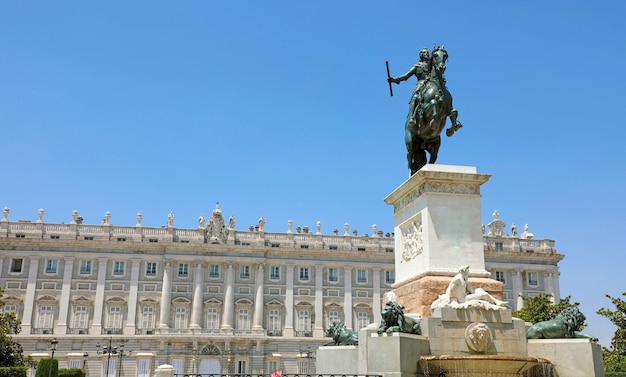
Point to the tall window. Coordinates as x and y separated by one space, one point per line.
304 320
45 317
244 272
108 363
183 270
361 276
74 363
180 318
303 366
118 268
241 366
500 276
115 317
243 319
85 267
51 266
304 273
178 366
143 368
332 275
274 272
10 308
532 278
390 277
362 319
333 316
214 271
80 317
272 366
273 319
147 317
151 269
16 265
212 318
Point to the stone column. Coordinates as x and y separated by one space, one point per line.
555 284
318 330
229 299
347 297
29 298
131 315
289 302
166 297
518 287
257 320
197 303
549 286
376 296
61 325
96 324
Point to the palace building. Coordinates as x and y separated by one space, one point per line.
122 300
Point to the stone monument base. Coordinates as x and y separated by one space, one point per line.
570 357
416 296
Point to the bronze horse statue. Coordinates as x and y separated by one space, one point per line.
428 114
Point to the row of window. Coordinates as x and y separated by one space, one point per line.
114 318
531 278
119 269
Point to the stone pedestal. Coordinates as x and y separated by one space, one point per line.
570 357
417 296
438 228
437 223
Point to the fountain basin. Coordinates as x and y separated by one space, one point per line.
484 365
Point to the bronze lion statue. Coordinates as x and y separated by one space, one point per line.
394 320
565 325
341 335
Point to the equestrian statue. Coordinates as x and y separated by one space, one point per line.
429 108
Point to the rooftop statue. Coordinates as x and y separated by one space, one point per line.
461 295
565 325
429 108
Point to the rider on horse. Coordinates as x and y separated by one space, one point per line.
421 70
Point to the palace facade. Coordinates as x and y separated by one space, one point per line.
122 300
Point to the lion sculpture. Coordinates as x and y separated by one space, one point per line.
565 325
394 320
341 335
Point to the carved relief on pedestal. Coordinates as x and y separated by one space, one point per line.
478 337
412 242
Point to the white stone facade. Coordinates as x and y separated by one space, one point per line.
212 299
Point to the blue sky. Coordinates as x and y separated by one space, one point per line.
281 109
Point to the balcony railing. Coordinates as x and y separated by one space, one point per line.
305 334
112 331
268 375
78 330
42 330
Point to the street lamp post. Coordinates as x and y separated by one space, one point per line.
53 347
110 350
85 356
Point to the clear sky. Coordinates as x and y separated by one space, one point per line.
281 109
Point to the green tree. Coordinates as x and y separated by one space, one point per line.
615 356
541 308
11 353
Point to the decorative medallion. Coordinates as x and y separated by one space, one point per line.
478 337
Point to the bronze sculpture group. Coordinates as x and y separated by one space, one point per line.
429 108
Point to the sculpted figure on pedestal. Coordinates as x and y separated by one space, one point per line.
461 295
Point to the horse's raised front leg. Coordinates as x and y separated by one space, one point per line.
454 113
